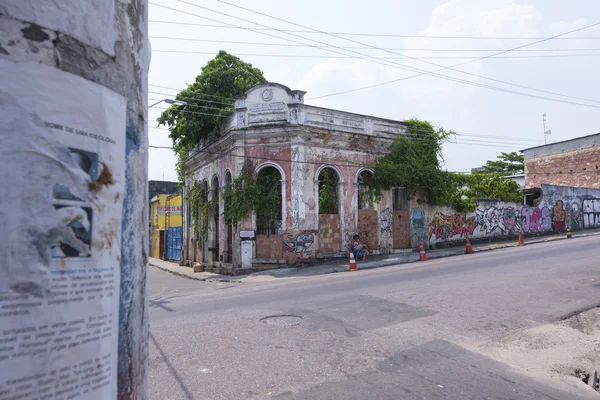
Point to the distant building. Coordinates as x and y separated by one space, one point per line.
166 222
574 162
519 178
300 145
161 187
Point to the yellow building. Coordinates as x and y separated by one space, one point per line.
166 219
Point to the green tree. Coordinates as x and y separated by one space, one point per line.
415 162
463 190
209 100
506 164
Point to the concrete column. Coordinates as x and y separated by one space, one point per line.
73 105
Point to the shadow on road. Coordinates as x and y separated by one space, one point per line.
172 369
162 303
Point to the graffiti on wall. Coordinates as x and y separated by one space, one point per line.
510 220
368 229
535 219
418 223
497 219
299 243
444 226
386 218
574 217
591 213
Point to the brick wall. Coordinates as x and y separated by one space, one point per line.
367 228
575 168
269 247
330 233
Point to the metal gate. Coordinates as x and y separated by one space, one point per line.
174 243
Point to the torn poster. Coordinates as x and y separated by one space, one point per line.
60 214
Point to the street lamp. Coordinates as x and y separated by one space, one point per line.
170 101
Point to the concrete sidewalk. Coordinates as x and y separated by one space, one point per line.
341 265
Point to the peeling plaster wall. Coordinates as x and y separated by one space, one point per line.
273 127
104 42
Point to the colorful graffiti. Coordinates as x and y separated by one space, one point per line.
559 217
536 219
574 216
591 213
418 223
497 219
444 226
510 220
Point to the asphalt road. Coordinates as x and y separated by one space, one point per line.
390 333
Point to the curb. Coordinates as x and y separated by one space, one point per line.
176 273
388 264
434 257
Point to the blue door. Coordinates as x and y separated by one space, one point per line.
174 243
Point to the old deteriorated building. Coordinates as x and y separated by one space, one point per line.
574 162
299 144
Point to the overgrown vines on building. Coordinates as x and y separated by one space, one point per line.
247 193
199 207
415 163
328 192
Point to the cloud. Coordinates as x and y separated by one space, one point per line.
455 105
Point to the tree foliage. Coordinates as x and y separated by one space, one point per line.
463 190
415 164
415 161
247 193
506 164
209 100
328 182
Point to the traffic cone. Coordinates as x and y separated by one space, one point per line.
422 255
468 249
521 242
569 233
353 266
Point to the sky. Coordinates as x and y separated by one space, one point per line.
488 120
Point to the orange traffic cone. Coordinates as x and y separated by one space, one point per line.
521 242
468 249
353 266
422 255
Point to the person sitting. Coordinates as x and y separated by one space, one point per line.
359 248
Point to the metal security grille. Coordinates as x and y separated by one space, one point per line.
400 197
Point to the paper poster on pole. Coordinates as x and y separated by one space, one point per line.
64 155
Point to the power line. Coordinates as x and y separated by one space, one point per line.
371 59
458 133
382 58
443 68
339 165
361 48
379 34
194 98
494 139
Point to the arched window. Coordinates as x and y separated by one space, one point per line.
328 191
366 199
227 182
215 211
269 209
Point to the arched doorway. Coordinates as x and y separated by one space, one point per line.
269 213
229 249
215 217
330 231
367 215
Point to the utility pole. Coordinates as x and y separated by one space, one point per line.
73 106
546 132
